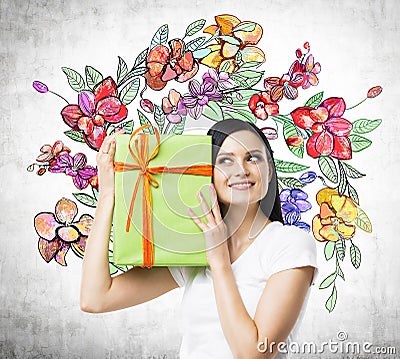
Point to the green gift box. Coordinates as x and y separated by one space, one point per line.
159 176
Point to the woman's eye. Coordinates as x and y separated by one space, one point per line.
224 160
254 158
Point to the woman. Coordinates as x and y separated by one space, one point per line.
255 289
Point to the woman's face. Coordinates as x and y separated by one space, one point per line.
241 172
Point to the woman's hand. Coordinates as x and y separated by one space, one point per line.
105 166
215 231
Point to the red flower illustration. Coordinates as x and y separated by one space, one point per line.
57 232
95 108
262 106
286 85
169 64
51 153
329 128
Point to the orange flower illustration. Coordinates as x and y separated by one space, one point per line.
235 37
336 214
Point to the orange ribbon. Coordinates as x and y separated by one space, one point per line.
149 180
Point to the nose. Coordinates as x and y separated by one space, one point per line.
241 169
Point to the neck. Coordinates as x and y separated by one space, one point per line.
245 223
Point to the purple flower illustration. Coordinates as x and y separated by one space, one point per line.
199 96
294 201
220 80
75 167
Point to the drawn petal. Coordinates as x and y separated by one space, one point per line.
316 227
335 106
339 126
60 255
44 157
341 148
66 210
344 207
227 23
252 54
48 249
79 182
214 58
45 225
166 105
68 233
85 224
328 232
324 143
229 50
301 117
79 247
346 230
87 172
105 88
311 149
96 138
249 37
71 114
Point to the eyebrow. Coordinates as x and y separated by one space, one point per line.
231 153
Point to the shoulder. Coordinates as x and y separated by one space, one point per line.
289 247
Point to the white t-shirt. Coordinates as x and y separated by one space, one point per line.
276 248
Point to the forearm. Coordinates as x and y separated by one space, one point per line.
96 278
239 328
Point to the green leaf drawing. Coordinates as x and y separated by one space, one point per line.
342 180
315 100
75 80
159 117
247 26
141 58
289 167
329 250
290 129
339 271
134 73
145 121
355 256
86 199
248 65
331 302
362 221
340 248
250 74
195 44
75 135
364 126
351 171
291 182
359 143
328 168
179 127
213 111
113 269
226 66
128 127
160 37
122 70
129 92
230 40
195 27
93 77
239 114
353 194
328 281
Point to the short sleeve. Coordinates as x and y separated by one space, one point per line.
177 274
292 248
182 274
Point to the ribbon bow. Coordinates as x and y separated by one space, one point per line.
147 173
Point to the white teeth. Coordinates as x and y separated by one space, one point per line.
242 185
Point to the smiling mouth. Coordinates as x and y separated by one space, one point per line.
244 185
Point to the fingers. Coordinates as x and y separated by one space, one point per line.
214 203
206 210
197 220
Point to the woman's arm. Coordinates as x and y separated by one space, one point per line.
278 307
276 314
99 291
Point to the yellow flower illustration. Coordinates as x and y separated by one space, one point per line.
336 214
235 37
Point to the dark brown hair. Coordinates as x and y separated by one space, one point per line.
270 204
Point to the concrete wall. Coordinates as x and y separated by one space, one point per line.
357 46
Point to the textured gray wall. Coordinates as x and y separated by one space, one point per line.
357 45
